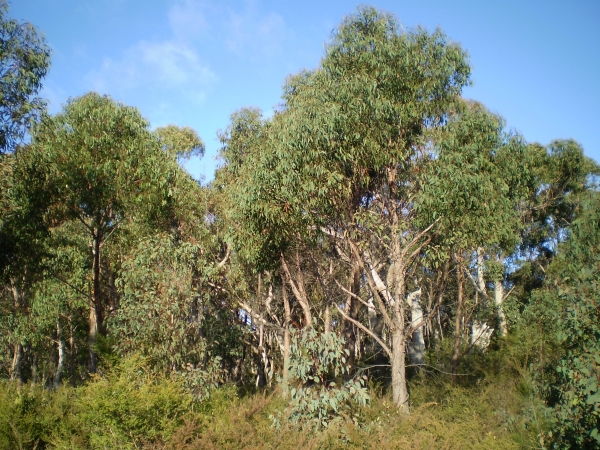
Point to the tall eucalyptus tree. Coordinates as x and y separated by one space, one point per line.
100 165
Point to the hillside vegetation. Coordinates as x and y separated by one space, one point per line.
380 264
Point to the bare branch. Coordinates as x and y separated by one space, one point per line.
366 330
371 282
417 237
474 282
352 294
224 260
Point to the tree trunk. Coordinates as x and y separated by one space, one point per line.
34 369
95 315
352 309
480 331
16 372
458 323
61 356
399 388
298 290
286 340
499 298
416 348
71 353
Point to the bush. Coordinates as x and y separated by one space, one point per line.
319 395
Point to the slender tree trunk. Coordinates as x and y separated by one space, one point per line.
499 298
34 369
458 323
16 369
298 290
417 344
16 372
480 331
399 387
286 340
95 316
71 353
352 309
260 377
62 350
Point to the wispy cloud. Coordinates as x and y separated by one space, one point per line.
174 63
253 34
168 64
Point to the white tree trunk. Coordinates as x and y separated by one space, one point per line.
499 299
62 349
416 349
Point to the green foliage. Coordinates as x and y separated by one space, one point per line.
164 315
319 396
31 415
180 142
474 182
24 61
129 406
574 390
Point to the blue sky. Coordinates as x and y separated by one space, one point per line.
194 62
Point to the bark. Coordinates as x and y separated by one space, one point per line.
62 348
95 317
16 369
71 353
286 340
416 348
34 369
298 290
260 377
457 326
399 388
352 309
480 331
499 298
16 372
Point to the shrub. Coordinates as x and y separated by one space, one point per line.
319 395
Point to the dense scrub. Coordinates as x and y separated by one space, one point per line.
129 408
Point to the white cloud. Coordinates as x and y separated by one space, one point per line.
146 65
254 35
174 63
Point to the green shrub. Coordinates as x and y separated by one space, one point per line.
319 395
129 406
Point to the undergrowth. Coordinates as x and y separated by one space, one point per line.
131 408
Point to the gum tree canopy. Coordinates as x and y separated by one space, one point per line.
100 166
24 61
344 155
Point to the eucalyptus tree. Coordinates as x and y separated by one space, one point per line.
343 155
482 172
101 166
262 235
561 175
23 232
24 61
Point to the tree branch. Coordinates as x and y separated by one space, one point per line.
366 330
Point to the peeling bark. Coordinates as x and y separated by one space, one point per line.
61 356
416 349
